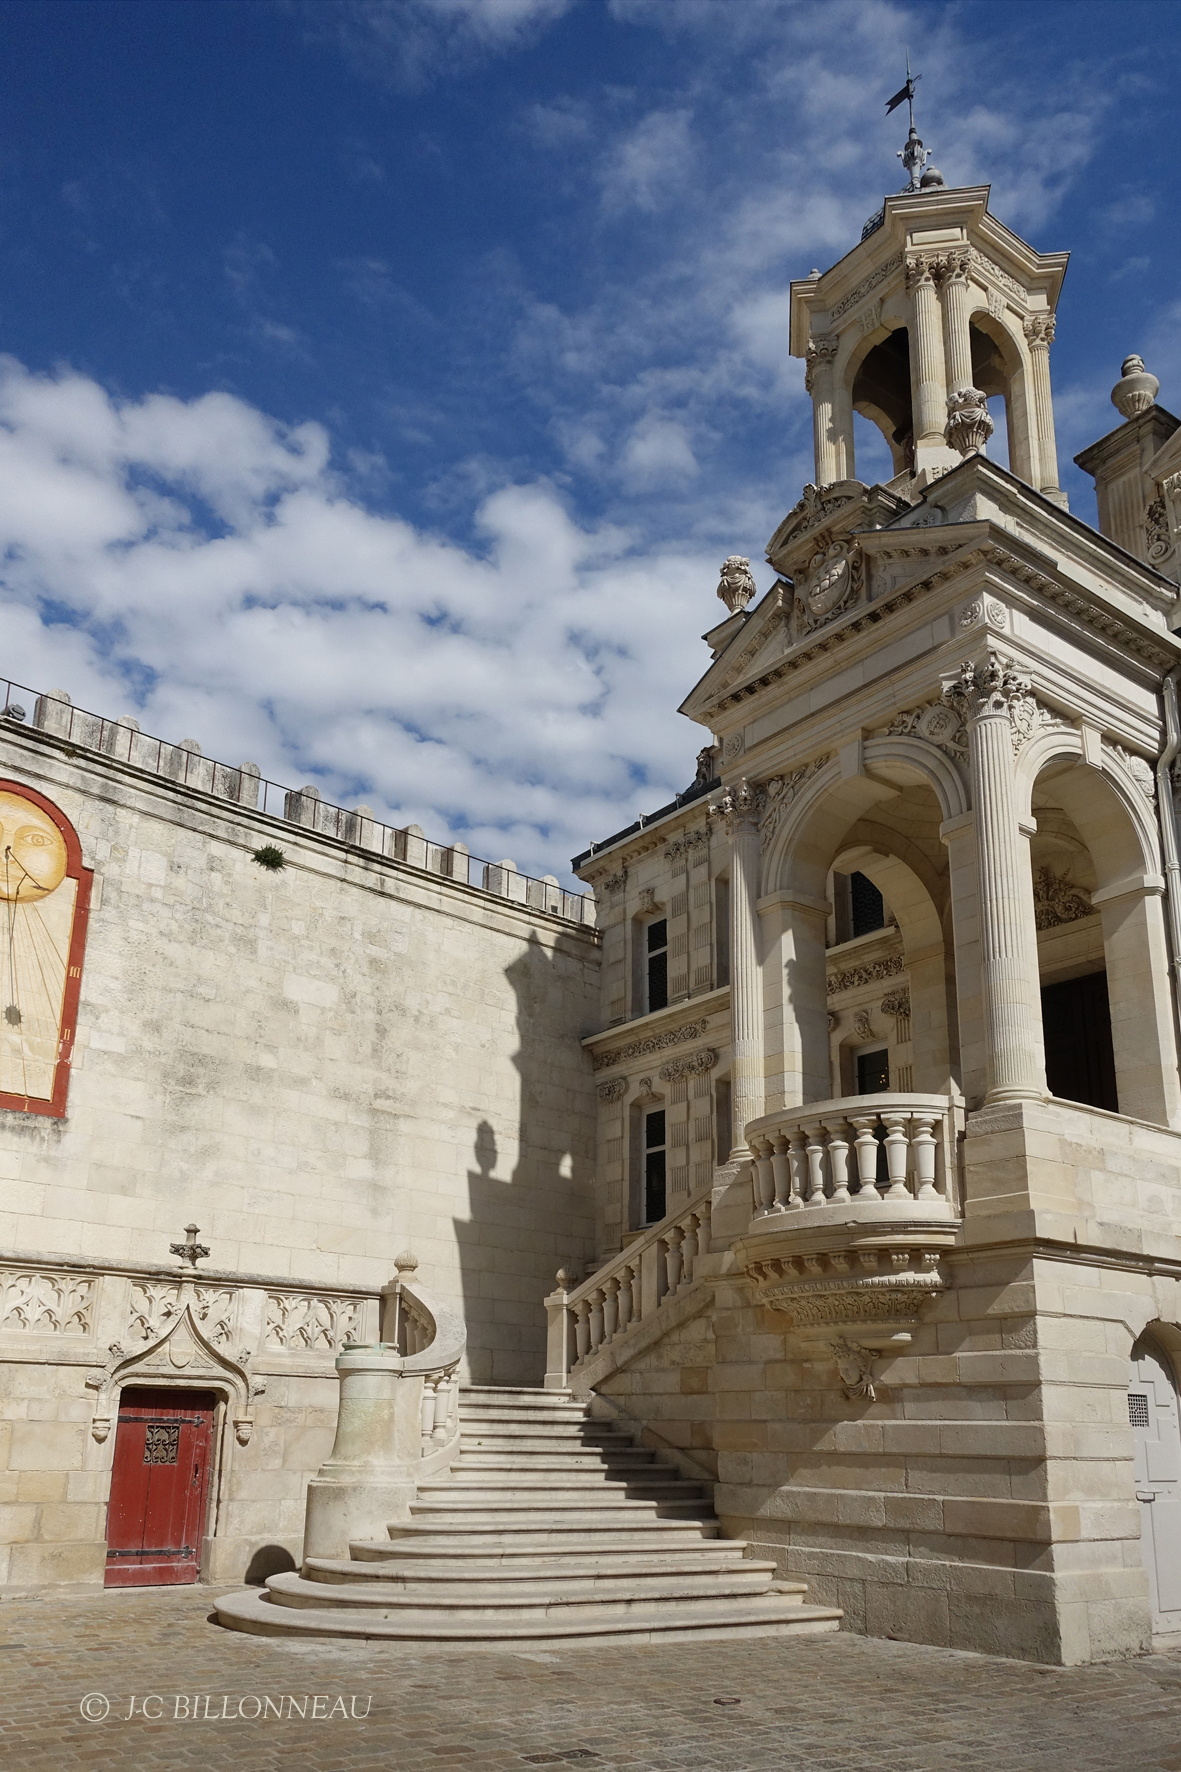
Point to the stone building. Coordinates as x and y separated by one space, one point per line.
369 1049
853 1116
920 1325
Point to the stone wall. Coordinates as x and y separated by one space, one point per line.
320 1067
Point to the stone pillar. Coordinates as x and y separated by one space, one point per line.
927 380
969 423
1136 952
818 379
987 696
1039 335
741 806
368 1478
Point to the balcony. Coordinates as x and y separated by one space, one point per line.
855 1201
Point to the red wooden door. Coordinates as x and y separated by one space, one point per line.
159 1487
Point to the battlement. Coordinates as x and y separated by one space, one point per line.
245 785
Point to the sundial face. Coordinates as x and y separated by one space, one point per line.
33 856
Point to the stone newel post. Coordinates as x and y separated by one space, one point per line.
741 808
987 694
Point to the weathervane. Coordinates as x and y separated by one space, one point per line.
913 156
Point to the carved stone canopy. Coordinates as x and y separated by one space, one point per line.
182 1354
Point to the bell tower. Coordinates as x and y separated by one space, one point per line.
939 307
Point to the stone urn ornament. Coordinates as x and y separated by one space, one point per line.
736 586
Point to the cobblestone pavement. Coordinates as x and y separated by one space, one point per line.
839 1702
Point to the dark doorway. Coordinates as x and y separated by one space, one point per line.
873 1071
1076 1027
159 1487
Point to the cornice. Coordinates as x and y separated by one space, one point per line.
610 1045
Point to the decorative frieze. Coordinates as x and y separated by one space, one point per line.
680 1036
781 790
47 1304
309 1322
696 1065
872 972
846 1287
938 723
1140 771
684 845
873 281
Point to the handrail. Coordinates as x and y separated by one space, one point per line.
628 1289
244 785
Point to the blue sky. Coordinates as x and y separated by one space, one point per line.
386 379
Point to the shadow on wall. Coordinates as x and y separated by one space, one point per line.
523 1226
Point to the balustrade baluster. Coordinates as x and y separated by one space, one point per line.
439 1413
814 1134
689 1251
596 1319
867 1158
766 1177
624 1302
799 1167
610 1308
838 1157
582 1333
428 1407
672 1258
922 1139
781 1171
704 1216
637 1291
897 1152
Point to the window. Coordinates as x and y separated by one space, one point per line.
1076 1025
655 1158
867 911
656 938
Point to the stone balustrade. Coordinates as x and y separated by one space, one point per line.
629 1289
861 1156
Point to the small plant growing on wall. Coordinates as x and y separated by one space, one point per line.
270 858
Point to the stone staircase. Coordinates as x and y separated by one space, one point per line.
551 1527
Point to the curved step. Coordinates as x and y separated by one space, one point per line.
569 1575
255 1611
623 1552
479 1602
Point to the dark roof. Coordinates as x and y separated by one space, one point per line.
696 792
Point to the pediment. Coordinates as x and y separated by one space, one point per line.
1167 460
763 638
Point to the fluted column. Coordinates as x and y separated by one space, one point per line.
818 379
1039 336
928 385
741 807
987 695
969 423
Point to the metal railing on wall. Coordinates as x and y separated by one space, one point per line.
244 785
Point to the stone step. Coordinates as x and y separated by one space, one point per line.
583 1535
561 1509
500 1393
771 1614
567 1575
509 1551
478 1603
646 1484
550 1528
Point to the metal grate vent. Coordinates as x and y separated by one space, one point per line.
1138 1409
161 1442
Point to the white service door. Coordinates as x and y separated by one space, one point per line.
1152 1410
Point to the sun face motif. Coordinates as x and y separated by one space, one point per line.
33 856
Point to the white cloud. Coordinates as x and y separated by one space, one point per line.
411 41
520 696
649 163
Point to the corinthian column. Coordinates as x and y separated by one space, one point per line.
969 424
987 696
818 379
927 373
741 807
1039 336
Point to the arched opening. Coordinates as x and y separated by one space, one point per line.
881 394
1156 1430
998 372
855 1012
1107 1013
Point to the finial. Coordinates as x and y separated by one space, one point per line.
736 587
190 1251
1136 390
406 1262
913 156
